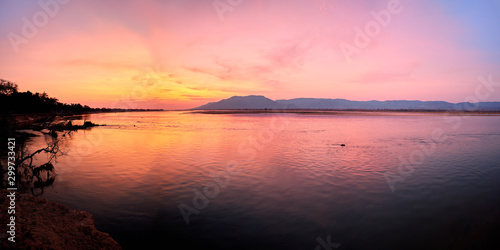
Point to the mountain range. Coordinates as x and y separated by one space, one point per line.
262 102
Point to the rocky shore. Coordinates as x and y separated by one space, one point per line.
44 224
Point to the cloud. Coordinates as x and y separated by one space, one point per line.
98 50
392 75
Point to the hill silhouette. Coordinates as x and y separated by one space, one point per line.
261 102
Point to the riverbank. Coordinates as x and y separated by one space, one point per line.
40 223
44 224
21 121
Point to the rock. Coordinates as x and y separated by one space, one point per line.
44 224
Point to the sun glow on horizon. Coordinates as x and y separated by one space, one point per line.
180 54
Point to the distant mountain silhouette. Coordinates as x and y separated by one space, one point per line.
243 102
261 102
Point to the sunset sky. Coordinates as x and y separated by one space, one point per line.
178 54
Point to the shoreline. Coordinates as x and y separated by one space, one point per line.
41 223
23 120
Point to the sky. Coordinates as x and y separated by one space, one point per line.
177 54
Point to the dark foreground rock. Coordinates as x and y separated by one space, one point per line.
44 224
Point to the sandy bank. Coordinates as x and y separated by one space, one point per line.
43 224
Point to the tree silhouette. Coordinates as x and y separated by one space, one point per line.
31 177
7 88
14 102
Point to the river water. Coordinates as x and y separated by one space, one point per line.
171 180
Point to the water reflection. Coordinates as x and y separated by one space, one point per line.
294 183
37 148
30 176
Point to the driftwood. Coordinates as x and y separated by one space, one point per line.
30 177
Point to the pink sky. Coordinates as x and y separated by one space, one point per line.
181 54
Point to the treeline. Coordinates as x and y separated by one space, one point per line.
14 102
